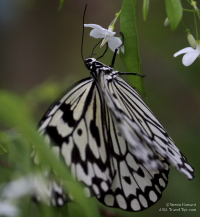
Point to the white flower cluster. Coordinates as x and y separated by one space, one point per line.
18 188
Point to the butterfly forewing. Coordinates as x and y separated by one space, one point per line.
125 102
76 130
128 128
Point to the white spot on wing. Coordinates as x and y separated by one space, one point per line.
135 205
161 182
109 200
158 189
164 176
153 197
143 201
95 189
121 201
104 186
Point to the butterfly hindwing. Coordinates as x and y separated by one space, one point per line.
134 188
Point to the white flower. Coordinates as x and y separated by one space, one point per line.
190 54
107 35
33 183
8 209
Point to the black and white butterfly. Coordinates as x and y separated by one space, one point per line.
110 141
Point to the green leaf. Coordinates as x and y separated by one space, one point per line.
14 113
61 4
131 57
174 12
145 9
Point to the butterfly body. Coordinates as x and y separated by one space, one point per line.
111 141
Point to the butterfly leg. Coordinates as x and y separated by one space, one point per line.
103 52
94 48
116 50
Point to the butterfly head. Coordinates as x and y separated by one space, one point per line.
89 63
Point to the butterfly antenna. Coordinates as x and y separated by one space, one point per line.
116 50
83 33
96 46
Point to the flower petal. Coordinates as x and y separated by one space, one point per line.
185 50
114 42
94 26
100 29
104 41
96 34
190 57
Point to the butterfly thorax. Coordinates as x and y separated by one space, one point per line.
97 67
93 65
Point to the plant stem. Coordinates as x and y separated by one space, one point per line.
114 21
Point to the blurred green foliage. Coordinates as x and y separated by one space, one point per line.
15 114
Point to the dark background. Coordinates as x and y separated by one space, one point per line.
39 43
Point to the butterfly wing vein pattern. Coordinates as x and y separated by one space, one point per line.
79 136
134 187
149 127
111 142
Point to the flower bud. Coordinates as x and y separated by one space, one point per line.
191 39
194 5
166 22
